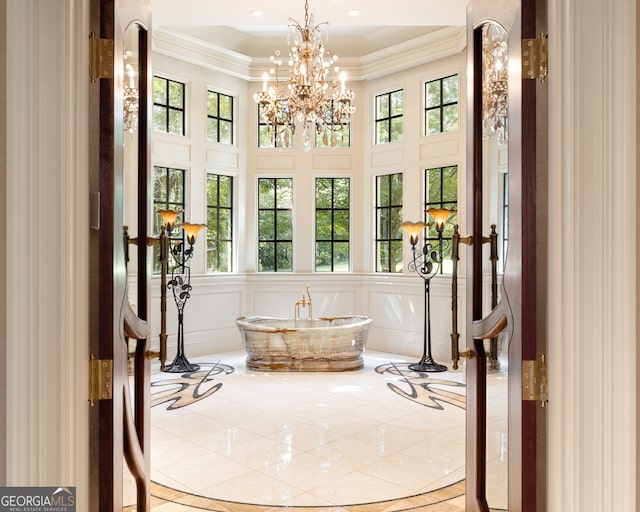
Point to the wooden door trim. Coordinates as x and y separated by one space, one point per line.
120 429
476 369
523 282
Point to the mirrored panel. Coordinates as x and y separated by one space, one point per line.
130 105
495 178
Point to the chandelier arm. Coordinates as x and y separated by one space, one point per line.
311 99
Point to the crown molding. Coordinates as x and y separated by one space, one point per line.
201 53
414 52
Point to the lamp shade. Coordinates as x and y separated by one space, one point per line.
413 230
169 217
440 216
191 230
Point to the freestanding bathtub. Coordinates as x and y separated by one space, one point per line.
316 345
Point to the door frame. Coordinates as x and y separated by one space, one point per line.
524 286
119 429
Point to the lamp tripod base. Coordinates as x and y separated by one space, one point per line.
427 364
181 365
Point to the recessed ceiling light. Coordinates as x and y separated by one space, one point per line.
257 13
354 12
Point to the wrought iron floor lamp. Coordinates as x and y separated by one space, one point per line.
426 263
180 284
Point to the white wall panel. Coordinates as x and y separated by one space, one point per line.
278 162
387 159
336 162
440 151
173 151
221 158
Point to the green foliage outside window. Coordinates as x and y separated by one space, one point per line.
168 194
442 192
219 222
275 225
388 220
389 117
168 106
441 105
219 117
332 224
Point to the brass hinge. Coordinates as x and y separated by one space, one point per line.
534 380
100 379
100 58
535 58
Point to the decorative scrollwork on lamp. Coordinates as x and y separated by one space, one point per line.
180 284
426 261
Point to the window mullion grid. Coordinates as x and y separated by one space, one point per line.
166 106
333 224
390 224
217 240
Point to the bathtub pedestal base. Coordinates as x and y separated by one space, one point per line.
304 365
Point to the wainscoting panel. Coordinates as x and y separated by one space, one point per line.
444 150
333 162
171 150
220 159
387 159
280 162
209 317
281 303
396 305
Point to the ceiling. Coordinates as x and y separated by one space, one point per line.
379 24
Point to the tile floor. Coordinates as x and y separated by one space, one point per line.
379 439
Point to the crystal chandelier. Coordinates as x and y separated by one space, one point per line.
309 100
130 98
495 83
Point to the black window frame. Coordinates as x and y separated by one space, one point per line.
394 237
276 242
214 241
388 120
333 240
217 117
169 108
166 203
444 249
441 106
505 217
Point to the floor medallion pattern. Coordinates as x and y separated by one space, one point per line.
229 439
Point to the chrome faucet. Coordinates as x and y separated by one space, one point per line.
305 302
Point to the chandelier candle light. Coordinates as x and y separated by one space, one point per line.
130 97
309 99
426 263
495 83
